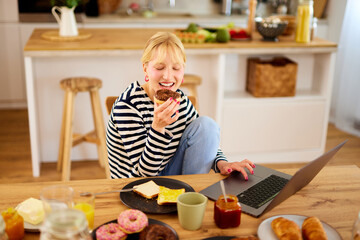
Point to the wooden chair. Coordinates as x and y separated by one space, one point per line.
109 102
191 82
68 139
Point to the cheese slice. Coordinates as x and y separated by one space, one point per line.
168 196
148 190
31 210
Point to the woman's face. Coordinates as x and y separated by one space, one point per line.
165 74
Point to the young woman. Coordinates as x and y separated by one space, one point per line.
148 139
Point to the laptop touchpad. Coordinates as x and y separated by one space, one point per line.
236 183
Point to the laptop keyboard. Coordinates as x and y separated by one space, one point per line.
263 191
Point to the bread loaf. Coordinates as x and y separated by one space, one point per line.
286 229
312 229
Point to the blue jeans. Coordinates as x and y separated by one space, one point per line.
197 149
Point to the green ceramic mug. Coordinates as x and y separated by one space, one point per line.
191 209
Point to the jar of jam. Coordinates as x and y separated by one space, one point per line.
227 214
14 224
3 235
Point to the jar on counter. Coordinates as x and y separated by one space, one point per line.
65 224
3 235
305 12
14 224
227 214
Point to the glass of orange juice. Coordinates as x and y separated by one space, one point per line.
86 204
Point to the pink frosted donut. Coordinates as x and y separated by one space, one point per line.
132 221
110 231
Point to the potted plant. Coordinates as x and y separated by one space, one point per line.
66 3
66 21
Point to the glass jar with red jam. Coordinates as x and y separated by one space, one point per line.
227 214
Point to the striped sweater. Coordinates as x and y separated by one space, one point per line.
135 149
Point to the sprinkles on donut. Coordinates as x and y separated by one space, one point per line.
132 221
110 231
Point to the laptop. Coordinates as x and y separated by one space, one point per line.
267 188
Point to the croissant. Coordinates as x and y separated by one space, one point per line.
312 229
286 229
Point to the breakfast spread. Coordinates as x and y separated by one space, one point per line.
245 238
165 195
148 190
31 210
156 231
164 94
287 229
14 224
227 214
132 221
110 231
312 229
168 196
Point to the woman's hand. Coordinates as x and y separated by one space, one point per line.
163 113
227 167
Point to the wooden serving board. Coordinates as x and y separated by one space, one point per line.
54 36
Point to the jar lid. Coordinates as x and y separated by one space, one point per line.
65 223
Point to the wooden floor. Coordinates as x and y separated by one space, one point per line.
15 157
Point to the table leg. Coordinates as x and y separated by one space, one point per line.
32 112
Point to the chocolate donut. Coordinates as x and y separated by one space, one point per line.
164 94
156 231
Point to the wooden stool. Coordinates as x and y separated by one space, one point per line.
68 139
191 82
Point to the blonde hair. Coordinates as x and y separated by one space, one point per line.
162 42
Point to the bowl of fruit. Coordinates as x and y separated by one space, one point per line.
270 28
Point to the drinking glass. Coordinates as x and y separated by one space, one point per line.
56 197
86 204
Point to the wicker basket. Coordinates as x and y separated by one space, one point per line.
271 78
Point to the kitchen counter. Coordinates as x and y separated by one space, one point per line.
265 130
135 39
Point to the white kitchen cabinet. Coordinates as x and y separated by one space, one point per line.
277 129
12 84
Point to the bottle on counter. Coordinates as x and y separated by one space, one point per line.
305 12
313 29
65 224
227 214
250 23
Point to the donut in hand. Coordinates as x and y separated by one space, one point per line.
163 95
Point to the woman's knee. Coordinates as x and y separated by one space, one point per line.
206 124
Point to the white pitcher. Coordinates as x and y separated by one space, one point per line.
67 21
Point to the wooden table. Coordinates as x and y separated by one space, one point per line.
333 196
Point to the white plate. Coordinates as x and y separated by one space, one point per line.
32 228
265 231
